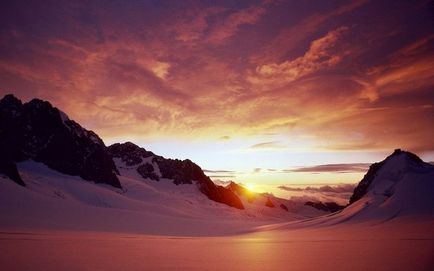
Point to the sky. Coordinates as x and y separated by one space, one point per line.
261 92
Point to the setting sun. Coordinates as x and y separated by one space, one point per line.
216 135
250 186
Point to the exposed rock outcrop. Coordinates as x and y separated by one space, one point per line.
325 206
9 169
242 191
363 186
37 130
180 171
129 153
147 170
283 206
269 203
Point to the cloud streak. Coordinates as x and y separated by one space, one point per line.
318 56
336 168
333 77
342 188
268 145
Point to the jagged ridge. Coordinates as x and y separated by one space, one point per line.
180 171
37 130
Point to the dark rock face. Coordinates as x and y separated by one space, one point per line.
269 203
241 191
37 130
185 171
364 184
147 171
180 171
326 206
220 194
283 206
130 153
9 169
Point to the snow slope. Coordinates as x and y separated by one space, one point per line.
53 200
401 189
61 222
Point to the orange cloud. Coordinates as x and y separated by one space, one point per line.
290 38
302 77
233 22
318 56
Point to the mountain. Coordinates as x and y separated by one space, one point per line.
399 161
325 206
36 130
395 193
154 167
399 187
40 132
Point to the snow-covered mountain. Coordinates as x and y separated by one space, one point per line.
153 167
36 130
53 200
68 179
40 132
401 187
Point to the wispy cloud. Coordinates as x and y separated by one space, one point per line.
218 171
336 168
336 76
290 38
341 188
340 193
268 145
320 55
229 26
221 176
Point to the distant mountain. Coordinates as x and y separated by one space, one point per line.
325 206
407 161
154 167
401 185
268 200
36 130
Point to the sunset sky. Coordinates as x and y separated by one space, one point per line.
260 92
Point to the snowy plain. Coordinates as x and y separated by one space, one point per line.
77 225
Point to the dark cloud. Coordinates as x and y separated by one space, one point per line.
216 174
336 168
218 171
222 176
345 75
341 188
340 193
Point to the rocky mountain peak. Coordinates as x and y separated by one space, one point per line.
130 153
394 165
36 130
10 101
180 171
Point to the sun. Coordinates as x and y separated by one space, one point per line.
250 186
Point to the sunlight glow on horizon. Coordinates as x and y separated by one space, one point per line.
253 89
